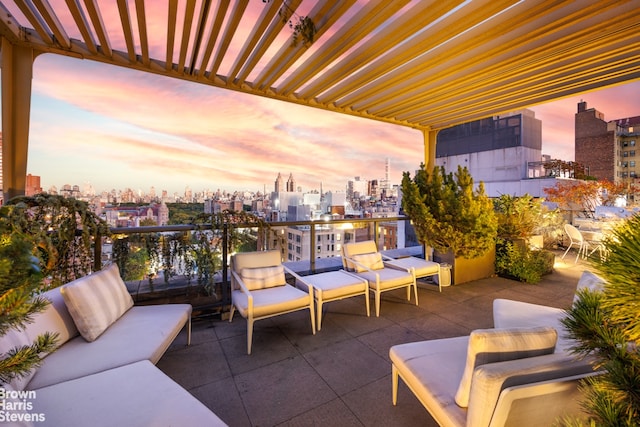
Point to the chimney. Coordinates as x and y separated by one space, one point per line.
582 106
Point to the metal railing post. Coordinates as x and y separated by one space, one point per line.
225 268
312 249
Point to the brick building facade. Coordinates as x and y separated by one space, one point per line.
607 149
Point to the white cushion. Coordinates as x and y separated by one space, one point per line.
389 278
432 370
142 333
263 277
96 301
497 345
372 261
349 250
590 281
54 319
491 379
16 339
269 301
134 395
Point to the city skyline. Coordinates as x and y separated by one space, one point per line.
117 128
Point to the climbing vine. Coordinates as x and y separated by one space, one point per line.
65 230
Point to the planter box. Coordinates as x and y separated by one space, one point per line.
466 270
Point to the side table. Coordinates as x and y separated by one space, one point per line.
336 285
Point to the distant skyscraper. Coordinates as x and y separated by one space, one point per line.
279 183
291 184
386 185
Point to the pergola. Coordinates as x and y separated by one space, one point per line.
425 64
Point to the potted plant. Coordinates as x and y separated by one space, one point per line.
606 325
522 224
453 218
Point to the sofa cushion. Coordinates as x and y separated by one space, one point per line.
142 333
138 394
16 339
496 345
431 369
491 379
371 261
54 319
270 301
96 301
349 250
263 277
589 281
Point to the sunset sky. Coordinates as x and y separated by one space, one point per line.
117 128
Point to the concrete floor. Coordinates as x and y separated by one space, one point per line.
342 375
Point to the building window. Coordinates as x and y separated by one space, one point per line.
632 153
338 237
625 154
632 163
297 238
625 164
632 143
319 238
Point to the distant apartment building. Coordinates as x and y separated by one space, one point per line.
32 185
607 150
132 216
217 206
497 151
328 241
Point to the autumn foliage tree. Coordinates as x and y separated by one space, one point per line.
584 196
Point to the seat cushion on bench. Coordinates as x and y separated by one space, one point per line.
133 395
142 333
432 370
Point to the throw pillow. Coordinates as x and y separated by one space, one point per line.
372 261
96 301
263 277
497 345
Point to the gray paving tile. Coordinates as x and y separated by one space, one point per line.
281 391
347 365
381 340
334 413
223 399
373 407
195 365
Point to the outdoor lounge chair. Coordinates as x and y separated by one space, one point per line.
259 289
520 373
364 260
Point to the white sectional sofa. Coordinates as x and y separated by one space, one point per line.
520 373
103 373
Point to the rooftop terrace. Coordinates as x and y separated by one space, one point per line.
342 375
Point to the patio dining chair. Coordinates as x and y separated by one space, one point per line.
259 289
576 239
364 260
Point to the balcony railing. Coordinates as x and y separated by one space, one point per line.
176 253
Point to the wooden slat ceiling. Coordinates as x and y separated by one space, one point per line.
426 64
